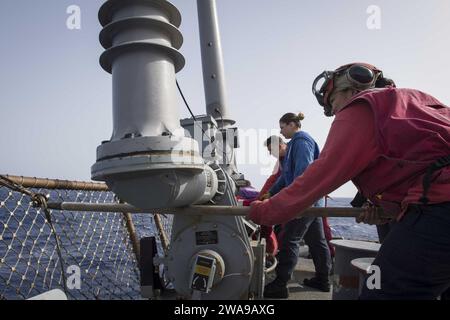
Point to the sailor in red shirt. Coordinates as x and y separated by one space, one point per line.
279 154
394 144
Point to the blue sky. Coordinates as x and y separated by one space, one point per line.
55 101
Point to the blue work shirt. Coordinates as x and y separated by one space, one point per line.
302 150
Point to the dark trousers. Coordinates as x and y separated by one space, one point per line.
311 230
383 230
414 259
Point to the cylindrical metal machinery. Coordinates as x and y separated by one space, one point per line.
225 242
148 161
141 41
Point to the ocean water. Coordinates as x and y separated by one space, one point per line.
347 228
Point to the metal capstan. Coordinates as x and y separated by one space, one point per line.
148 161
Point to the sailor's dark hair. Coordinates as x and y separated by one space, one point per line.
272 140
292 117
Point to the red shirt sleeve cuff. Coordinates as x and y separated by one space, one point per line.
255 213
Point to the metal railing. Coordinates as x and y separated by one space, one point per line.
100 250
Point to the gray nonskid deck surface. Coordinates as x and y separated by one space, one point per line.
298 291
304 269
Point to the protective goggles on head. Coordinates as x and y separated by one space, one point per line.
359 76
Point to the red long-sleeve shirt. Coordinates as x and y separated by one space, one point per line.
272 179
349 149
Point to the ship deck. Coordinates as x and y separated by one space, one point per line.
298 291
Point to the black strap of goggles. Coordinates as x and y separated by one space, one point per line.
438 165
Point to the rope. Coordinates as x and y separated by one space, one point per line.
16 187
39 200
97 246
273 266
